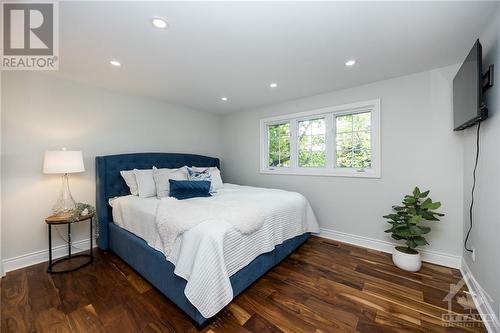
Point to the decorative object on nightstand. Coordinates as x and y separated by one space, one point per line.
69 219
63 162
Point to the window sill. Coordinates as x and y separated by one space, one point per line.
322 172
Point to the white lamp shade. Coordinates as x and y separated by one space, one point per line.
63 161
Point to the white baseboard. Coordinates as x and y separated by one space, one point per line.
434 257
481 300
43 255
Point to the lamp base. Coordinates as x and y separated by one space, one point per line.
65 203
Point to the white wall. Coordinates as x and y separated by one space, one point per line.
419 147
41 112
485 236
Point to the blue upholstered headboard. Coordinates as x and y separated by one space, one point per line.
109 182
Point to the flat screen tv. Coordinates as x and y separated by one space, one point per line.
468 108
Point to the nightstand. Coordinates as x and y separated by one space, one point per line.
66 219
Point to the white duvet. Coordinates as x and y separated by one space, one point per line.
209 248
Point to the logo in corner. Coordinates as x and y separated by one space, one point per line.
30 39
464 307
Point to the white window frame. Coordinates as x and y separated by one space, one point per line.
329 113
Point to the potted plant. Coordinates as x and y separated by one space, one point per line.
405 225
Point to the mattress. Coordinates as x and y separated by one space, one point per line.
207 255
138 216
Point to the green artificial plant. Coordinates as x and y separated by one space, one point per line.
406 219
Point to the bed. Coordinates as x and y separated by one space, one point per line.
137 246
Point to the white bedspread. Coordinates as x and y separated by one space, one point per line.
210 251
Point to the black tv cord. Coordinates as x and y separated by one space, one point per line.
473 188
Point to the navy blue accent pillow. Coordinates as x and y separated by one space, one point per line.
185 189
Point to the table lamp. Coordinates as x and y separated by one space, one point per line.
63 162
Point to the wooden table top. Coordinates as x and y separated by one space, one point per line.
66 218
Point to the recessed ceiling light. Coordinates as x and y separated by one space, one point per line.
273 85
115 63
159 23
351 62
224 99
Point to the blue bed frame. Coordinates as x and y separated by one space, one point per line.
148 262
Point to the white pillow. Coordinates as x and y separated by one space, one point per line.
214 174
129 177
145 183
161 177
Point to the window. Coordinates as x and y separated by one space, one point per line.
353 143
279 145
312 143
334 141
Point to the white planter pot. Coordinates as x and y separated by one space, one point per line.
406 261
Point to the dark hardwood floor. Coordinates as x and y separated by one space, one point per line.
324 286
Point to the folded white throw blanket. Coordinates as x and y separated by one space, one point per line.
174 217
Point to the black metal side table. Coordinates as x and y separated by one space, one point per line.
66 219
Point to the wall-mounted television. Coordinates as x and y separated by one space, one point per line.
468 106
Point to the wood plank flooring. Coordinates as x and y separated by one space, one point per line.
324 286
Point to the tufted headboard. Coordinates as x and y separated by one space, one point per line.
109 182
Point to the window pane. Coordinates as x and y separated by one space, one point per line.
312 143
279 145
361 121
344 123
353 145
361 150
344 150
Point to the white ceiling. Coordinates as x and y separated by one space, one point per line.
235 49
